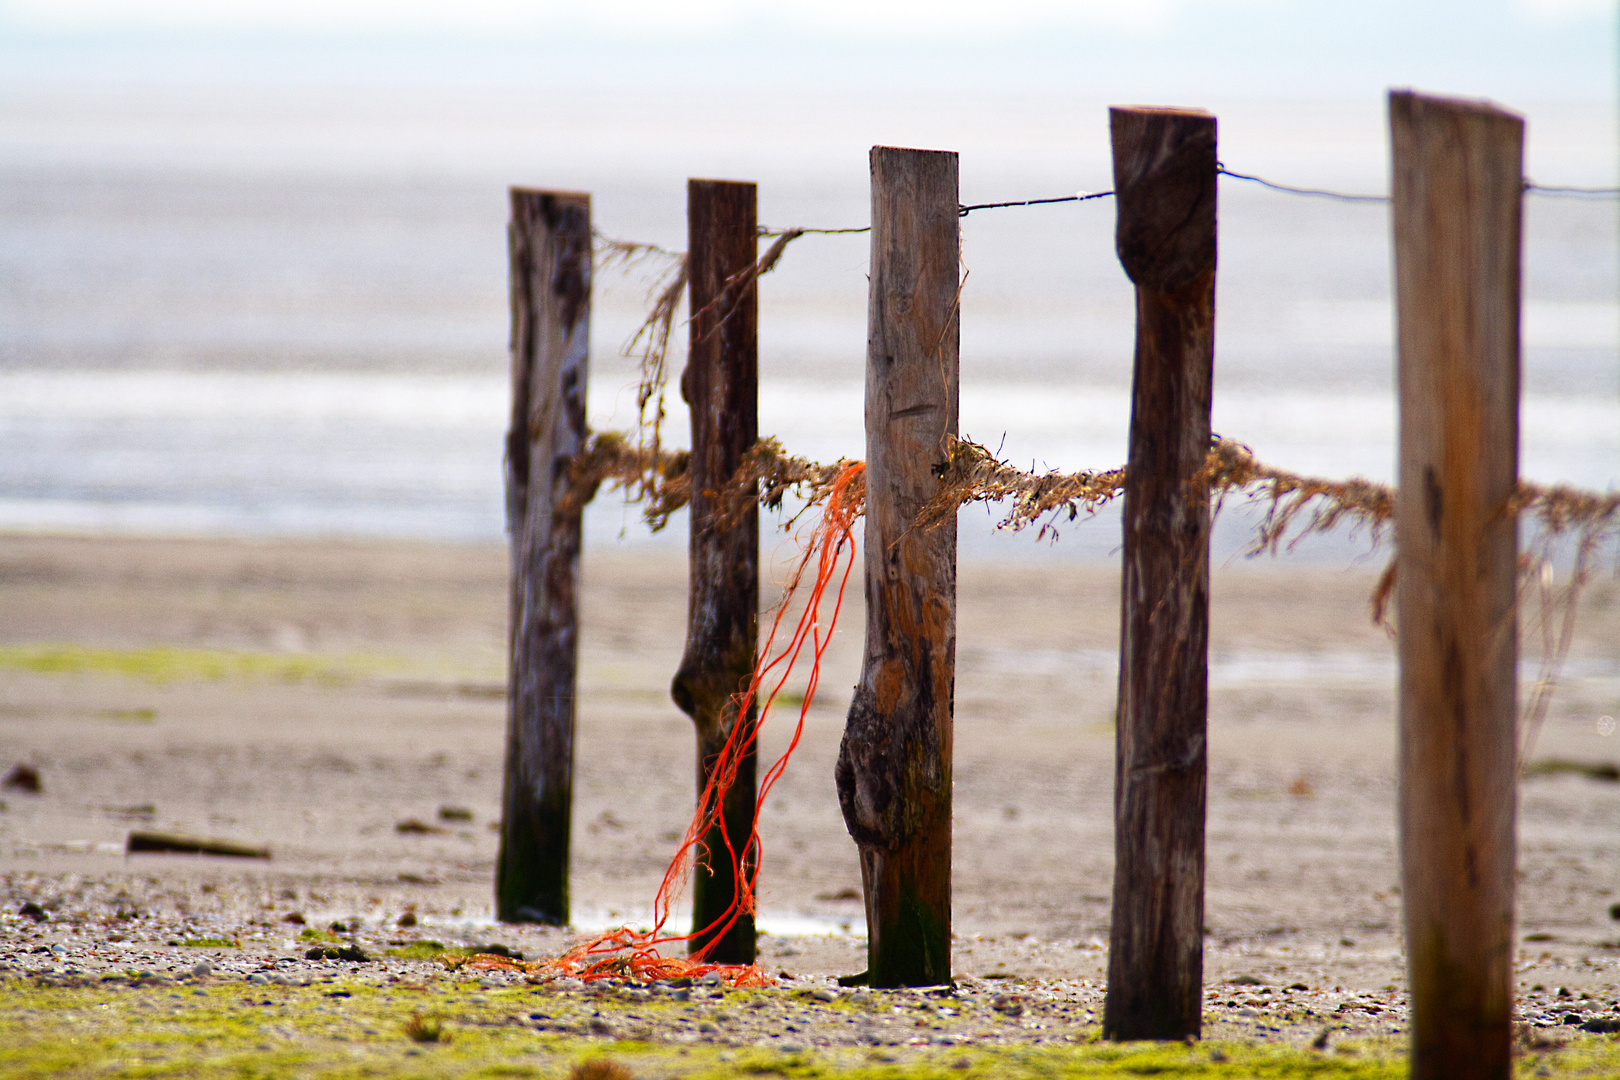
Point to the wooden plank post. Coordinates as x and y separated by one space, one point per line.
894 765
721 387
1458 185
550 259
1164 184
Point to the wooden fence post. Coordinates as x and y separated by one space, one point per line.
550 253
1458 185
721 386
894 766
1164 183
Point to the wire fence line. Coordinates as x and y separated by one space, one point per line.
1294 506
631 251
650 343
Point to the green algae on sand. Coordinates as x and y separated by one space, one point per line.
163 664
351 1029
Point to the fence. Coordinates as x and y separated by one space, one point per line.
1456 211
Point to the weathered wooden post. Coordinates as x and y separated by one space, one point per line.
1458 183
550 253
894 766
1164 184
721 387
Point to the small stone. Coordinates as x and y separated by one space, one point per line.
567 985
825 993
23 778
258 980
31 910
707 1028
601 1026
789 1047
713 978
202 968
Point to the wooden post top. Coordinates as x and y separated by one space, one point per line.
884 150
704 181
1410 102
518 191
1164 187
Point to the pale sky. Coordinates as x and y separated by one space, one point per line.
957 18
1555 49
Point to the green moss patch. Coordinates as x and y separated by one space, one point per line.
417 950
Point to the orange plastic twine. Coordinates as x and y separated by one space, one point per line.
633 954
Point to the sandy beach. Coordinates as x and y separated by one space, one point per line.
311 696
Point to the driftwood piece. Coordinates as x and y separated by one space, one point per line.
894 766
721 387
550 241
1164 179
1458 177
164 843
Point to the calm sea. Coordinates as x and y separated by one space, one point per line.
239 310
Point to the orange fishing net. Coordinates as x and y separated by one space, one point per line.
633 954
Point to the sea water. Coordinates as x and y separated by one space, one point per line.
253 311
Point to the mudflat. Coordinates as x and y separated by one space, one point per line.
342 703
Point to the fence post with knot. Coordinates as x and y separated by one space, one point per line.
550 263
894 765
1164 184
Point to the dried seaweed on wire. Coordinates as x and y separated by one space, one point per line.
736 286
649 344
1231 466
971 473
1560 511
662 480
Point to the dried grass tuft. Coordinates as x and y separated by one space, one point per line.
424 1030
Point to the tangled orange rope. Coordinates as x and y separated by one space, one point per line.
633 954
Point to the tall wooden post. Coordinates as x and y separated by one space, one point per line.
1457 190
1164 184
721 386
894 766
550 252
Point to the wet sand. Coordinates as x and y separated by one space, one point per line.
387 706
